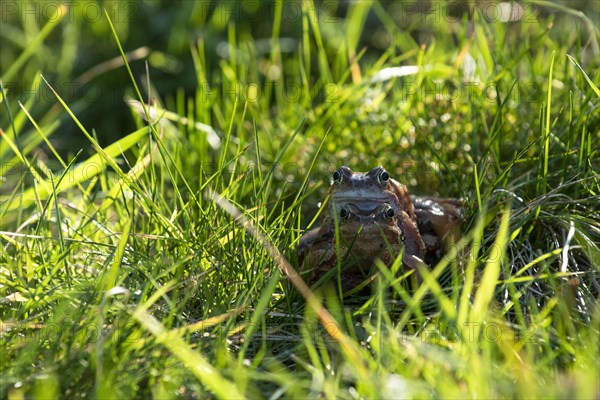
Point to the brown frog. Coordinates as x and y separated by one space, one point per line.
376 218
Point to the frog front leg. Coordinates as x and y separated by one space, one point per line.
316 253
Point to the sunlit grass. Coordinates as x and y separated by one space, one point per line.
120 276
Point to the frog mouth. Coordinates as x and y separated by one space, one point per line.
378 214
357 197
365 213
365 208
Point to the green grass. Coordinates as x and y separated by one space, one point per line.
121 277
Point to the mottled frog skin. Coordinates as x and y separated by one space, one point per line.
376 218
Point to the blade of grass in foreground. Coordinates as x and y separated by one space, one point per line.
587 78
198 365
489 280
83 172
547 124
113 273
469 276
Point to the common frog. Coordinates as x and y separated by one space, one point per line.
376 217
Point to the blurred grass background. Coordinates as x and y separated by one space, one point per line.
73 55
119 278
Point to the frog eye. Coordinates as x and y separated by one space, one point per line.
337 177
383 177
344 213
390 212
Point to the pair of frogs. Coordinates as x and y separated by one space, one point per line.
376 218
